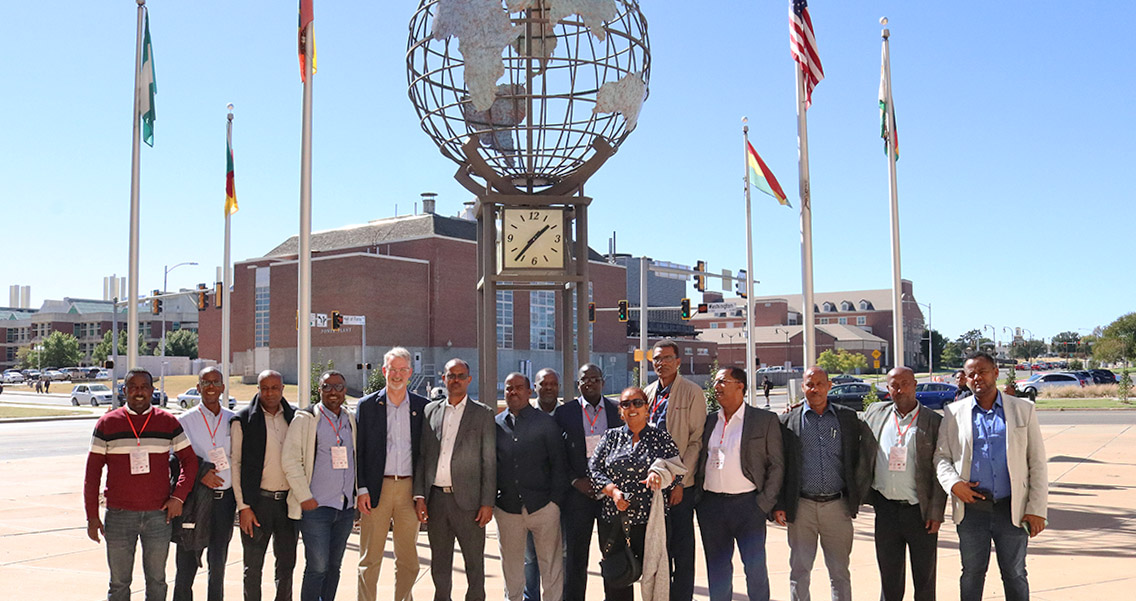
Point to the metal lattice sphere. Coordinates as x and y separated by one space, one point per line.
536 81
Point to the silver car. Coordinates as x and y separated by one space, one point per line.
192 397
90 394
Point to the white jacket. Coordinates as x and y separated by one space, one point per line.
298 455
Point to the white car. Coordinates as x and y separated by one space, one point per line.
192 397
1029 388
54 375
91 394
13 377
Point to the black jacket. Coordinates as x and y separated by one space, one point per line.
531 466
192 529
856 453
371 443
569 417
252 445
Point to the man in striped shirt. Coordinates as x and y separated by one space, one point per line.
134 443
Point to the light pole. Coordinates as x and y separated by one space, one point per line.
1029 349
786 333
165 280
930 343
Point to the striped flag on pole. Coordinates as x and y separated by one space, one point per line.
803 46
147 87
889 134
230 183
761 177
306 16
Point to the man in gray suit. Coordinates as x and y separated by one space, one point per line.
905 491
455 483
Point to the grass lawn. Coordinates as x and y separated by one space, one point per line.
34 412
176 385
1082 404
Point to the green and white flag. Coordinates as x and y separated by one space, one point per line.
147 87
890 136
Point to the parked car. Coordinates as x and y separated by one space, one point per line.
54 375
1103 376
1029 388
155 399
844 379
1085 376
192 397
13 377
852 394
90 394
935 395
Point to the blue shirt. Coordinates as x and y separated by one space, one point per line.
331 486
658 414
821 452
988 457
398 439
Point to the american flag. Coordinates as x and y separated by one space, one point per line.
804 47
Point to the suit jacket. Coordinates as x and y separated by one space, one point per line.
299 454
473 466
762 453
932 499
686 417
371 452
856 450
531 469
570 418
1025 455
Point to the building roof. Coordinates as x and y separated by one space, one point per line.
386 231
776 334
880 300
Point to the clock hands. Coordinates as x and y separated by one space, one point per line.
531 241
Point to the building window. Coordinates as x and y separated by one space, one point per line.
828 307
713 325
866 306
688 351
846 306
542 320
261 314
861 320
703 352
505 319
824 321
843 321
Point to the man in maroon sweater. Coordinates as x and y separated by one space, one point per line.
134 443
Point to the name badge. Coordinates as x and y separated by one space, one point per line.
716 460
219 458
897 459
339 458
139 461
591 442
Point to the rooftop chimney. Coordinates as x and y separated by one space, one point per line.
429 202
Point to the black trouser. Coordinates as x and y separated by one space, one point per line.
188 560
578 518
612 534
899 527
275 524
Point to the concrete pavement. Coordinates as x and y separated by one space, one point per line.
1087 553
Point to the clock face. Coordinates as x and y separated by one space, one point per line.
532 238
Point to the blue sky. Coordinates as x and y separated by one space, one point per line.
1016 126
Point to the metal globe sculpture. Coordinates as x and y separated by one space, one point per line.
541 85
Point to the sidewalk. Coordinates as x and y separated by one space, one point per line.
1087 554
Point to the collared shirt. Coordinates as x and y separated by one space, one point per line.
451 419
896 485
724 456
822 457
530 460
276 430
988 458
398 439
330 487
658 414
595 423
206 432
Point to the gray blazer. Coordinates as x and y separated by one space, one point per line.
763 460
473 466
932 497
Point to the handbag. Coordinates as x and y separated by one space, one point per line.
621 569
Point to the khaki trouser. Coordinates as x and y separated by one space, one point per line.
395 503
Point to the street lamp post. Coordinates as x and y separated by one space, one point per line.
786 333
165 283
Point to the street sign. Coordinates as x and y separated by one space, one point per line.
720 307
876 363
318 320
354 320
876 355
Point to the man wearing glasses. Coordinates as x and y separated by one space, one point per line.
741 467
678 406
583 422
207 426
390 428
319 461
991 459
455 483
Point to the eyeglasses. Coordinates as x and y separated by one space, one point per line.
591 380
658 360
723 381
211 384
456 376
330 387
397 370
633 403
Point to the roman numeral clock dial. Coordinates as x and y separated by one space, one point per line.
532 238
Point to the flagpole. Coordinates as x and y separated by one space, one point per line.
226 279
751 359
304 333
898 355
808 310
135 167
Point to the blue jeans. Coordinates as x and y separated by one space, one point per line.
975 532
532 570
325 531
724 519
123 530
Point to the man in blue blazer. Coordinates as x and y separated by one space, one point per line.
390 428
583 422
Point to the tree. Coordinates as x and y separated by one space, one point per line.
1065 343
1124 387
841 361
1122 333
102 350
970 340
318 368
829 362
57 350
376 381
938 345
711 394
1028 349
179 343
952 355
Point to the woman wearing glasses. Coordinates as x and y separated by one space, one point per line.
630 465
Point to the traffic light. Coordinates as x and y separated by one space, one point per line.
685 311
336 320
155 303
703 308
700 278
741 283
591 313
218 288
622 310
202 297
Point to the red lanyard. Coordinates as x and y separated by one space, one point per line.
138 433
725 424
592 421
903 433
335 427
213 432
659 398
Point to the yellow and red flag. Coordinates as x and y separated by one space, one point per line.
306 15
230 184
